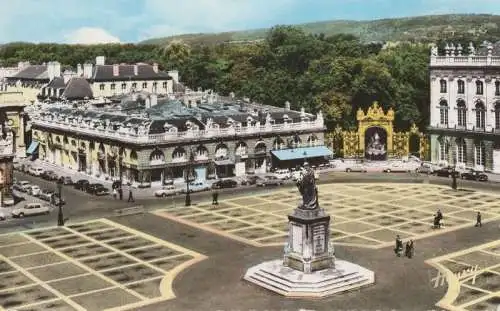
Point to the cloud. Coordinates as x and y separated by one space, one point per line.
90 35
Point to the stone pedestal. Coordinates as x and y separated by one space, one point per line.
308 241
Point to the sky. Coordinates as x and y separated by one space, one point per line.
113 21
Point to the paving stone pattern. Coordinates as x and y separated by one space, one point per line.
89 266
365 215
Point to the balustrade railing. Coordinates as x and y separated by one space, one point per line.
466 60
176 136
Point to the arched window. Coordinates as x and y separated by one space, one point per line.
312 140
179 153
443 150
479 87
260 148
221 151
442 84
480 115
480 153
461 150
201 153
133 155
241 149
157 156
461 113
278 144
497 115
443 112
460 87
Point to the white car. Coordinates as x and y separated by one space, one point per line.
197 186
2 215
34 190
166 191
36 171
282 174
30 209
397 167
356 167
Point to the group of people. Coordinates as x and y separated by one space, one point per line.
118 192
409 247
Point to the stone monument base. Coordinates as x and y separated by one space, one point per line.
274 276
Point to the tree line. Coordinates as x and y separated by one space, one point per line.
335 74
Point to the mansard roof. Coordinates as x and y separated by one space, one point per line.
32 72
103 73
57 83
78 88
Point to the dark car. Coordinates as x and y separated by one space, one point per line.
67 180
49 175
250 180
447 172
226 183
81 184
475 175
92 188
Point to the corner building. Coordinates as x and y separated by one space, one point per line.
158 142
465 107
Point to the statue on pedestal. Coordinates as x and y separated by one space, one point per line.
308 190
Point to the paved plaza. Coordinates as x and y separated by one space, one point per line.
97 265
473 278
364 215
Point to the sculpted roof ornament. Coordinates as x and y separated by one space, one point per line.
375 112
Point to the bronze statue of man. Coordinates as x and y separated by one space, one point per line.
308 190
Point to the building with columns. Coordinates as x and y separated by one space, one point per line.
150 141
12 114
465 106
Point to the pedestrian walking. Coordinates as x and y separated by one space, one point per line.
399 246
478 220
407 249
130 195
215 198
120 193
412 249
115 193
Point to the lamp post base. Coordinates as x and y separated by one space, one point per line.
60 218
188 199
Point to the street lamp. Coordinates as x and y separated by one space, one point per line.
60 217
189 177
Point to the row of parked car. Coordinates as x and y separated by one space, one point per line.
470 174
35 190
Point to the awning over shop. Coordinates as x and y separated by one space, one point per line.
302 153
33 148
224 162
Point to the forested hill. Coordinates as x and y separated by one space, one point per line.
429 28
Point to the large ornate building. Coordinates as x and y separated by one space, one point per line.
12 113
150 140
465 106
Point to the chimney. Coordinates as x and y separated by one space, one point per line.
155 67
136 70
100 61
116 70
79 70
57 69
87 70
153 100
175 75
50 70
287 106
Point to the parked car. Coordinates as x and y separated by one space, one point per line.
270 180
224 183
2 215
282 174
196 186
166 191
100 191
168 182
249 180
425 168
9 200
30 209
22 186
356 167
92 188
144 184
81 184
34 190
46 195
396 167
474 175
36 171
447 172
67 180
49 175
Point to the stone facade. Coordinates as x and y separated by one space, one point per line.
465 107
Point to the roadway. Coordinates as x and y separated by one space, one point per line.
81 206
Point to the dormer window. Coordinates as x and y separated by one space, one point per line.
124 86
113 86
144 85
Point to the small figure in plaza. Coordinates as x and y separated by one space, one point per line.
407 249
130 195
411 249
399 246
115 193
215 198
437 219
478 220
